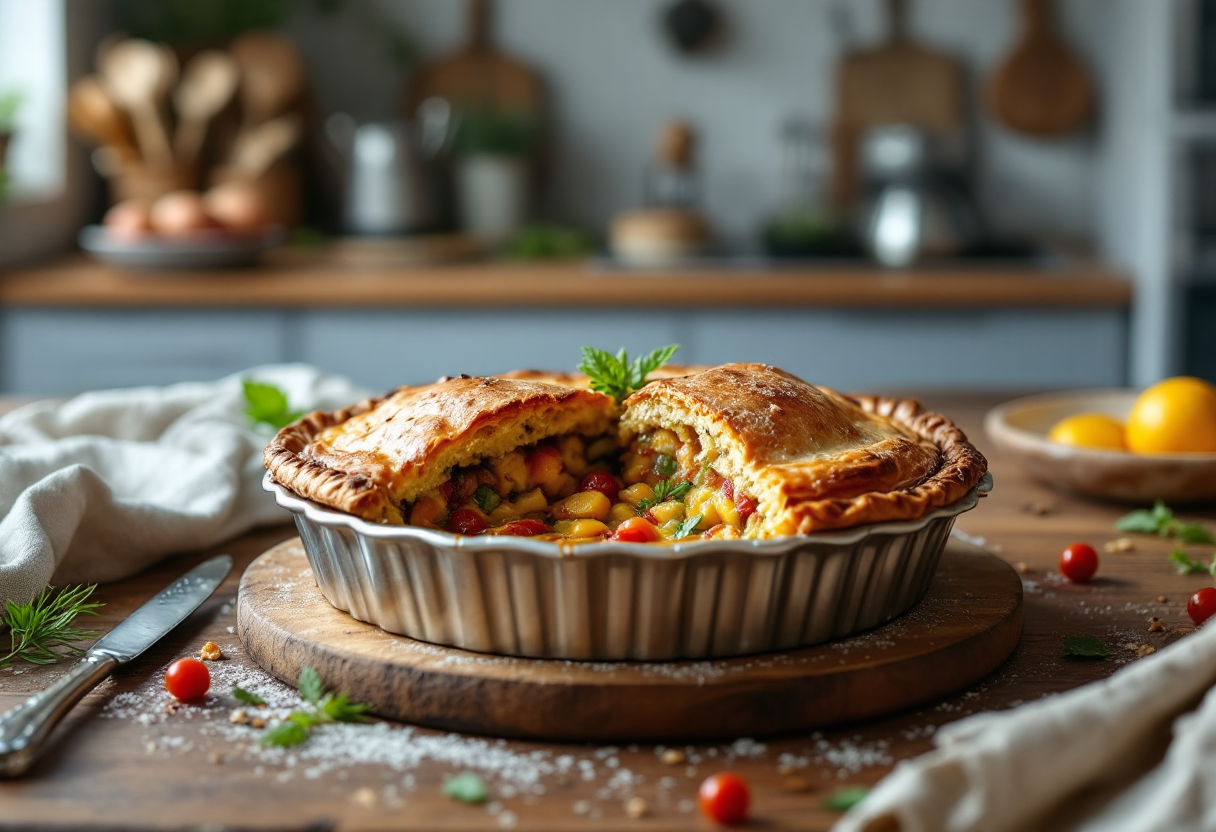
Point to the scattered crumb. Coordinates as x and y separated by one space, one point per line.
363 797
238 717
1021 567
1145 650
1161 599
1120 544
1041 508
171 707
794 783
1155 625
150 747
215 758
257 722
637 808
211 652
785 768
672 757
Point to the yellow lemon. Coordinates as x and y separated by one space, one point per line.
1089 430
1177 415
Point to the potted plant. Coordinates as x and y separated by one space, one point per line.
493 184
10 103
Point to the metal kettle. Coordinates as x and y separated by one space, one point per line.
916 206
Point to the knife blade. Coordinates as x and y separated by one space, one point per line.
25 729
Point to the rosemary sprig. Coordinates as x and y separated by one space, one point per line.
616 376
43 630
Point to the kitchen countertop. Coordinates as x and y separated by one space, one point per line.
335 278
120 761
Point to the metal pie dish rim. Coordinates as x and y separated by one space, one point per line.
332 518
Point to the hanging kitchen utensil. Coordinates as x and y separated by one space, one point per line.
691 25
137 75
208 84
900 82
1042 88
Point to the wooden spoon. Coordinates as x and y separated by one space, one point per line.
258 148
272 75
1041 88
208 84
137 74
94 116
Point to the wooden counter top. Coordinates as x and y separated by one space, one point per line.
122 762
293 279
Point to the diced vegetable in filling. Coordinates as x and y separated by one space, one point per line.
566 488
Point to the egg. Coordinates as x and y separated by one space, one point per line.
180 213
129 219
238 206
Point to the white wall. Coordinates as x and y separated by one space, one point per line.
614 81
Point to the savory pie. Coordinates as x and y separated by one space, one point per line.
741 450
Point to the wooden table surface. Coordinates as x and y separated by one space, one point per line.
293 279
121 761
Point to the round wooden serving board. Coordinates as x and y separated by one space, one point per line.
966 626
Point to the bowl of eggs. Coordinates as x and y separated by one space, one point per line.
1156 444
225 227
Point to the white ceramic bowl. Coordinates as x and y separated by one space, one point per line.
1019 428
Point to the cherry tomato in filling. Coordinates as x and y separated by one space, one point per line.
466 521
524 528
602 482
1202 605
445 490
636 530
724 798
187 680
746 506
728 488
1079 562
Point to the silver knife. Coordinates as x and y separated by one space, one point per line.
25 729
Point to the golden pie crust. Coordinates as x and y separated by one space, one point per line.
813 459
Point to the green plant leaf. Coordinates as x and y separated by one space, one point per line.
311 689
1140 521
1084 647
486 498
467 787
1191 533
337 707
615 376
286 734
842 800
688 526
267 404
1188 566
247 697
43 630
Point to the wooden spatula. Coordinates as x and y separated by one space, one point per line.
1042 88
477 76
900 82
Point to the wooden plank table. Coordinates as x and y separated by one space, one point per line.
121 761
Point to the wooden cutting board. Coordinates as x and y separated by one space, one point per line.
478 76
900 82
1042 88
966 626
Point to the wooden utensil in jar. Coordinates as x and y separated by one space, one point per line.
137 75
208 83
94 116
1042 88
258 148
271 73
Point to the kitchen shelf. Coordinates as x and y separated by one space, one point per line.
290 279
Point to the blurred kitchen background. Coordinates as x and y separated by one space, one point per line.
956 194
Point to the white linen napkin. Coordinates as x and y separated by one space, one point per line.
100 486
1089 759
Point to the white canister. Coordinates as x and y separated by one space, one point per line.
492 195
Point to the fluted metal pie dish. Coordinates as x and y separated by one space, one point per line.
621 601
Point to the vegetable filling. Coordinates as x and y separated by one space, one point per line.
565 489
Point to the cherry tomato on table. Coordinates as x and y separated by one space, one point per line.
1202 605
1079 562
187 680
725 798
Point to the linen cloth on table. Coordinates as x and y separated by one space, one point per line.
1088 760
102 485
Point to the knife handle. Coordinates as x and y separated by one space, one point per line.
25 729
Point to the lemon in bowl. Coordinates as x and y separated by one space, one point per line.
1090 430
1177 415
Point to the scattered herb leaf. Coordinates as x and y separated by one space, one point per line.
1189 566
842 800
665 466
266 404
1160 520
486 498
310 686
42 631
1084 647
285 734
467 787
616 376
664 490
688 526
247 697
338 708
327 707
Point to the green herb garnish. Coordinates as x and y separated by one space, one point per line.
665 466
842 800
687 526
486 498
1160 520
467 787
664 490
1084 647
246 697
42 631
1189 566
327 707
267 405
616 376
